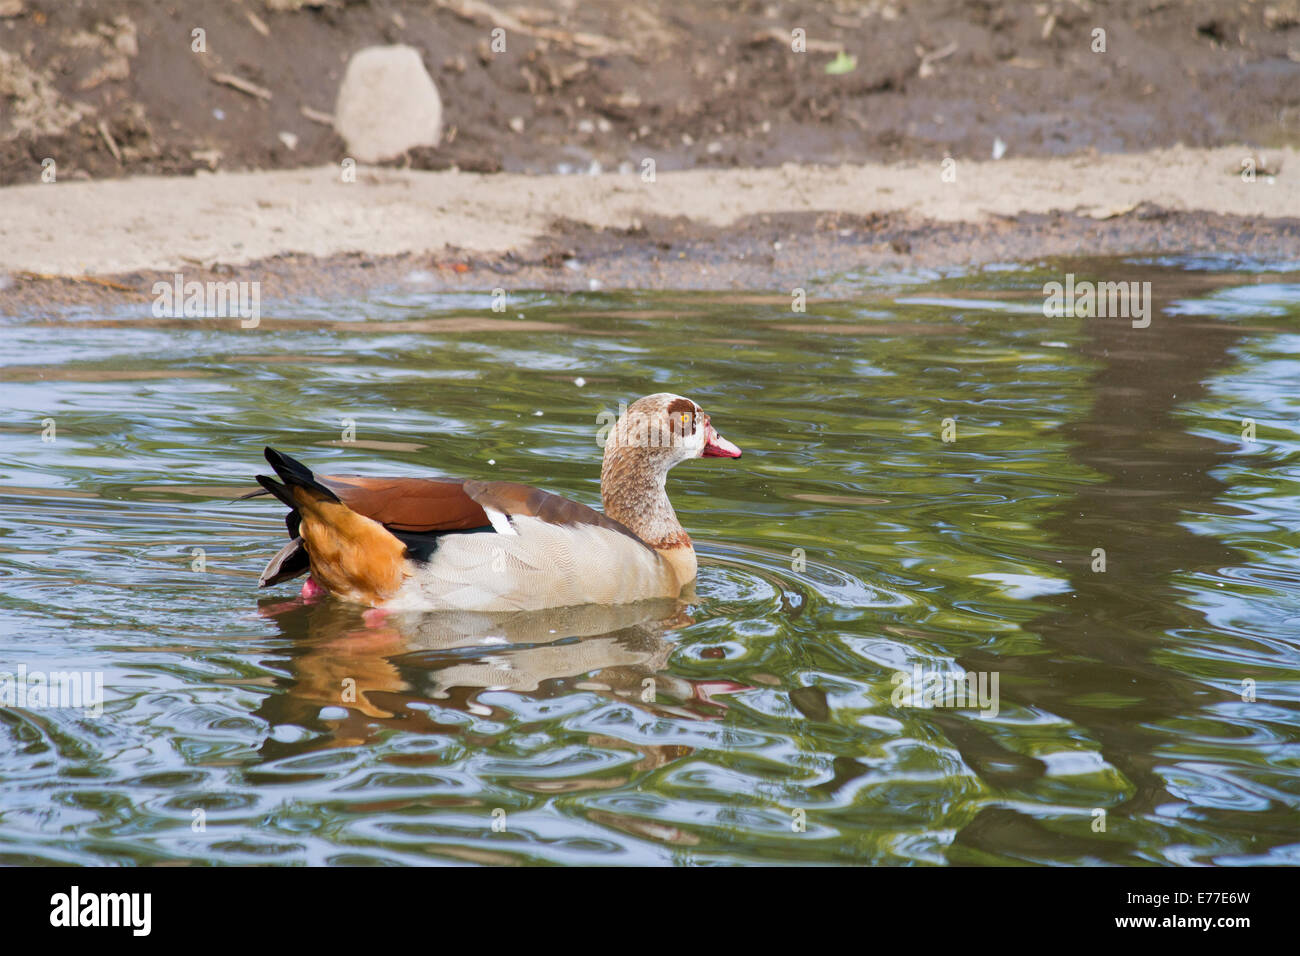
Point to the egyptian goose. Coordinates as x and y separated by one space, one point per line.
444 544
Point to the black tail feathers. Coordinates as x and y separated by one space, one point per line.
294 474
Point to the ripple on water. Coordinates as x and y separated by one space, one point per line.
852 543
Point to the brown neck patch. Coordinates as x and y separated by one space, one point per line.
679 540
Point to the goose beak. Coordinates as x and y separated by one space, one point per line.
715 446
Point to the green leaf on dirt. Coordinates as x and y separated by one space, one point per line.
843 63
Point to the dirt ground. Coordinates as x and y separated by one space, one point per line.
114 87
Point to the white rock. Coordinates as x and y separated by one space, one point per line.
387 104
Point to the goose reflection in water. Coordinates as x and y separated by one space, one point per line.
354 673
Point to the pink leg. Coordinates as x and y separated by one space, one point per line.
311 591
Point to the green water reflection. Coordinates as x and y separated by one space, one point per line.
849 545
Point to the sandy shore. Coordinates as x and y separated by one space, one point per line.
305 230
158 224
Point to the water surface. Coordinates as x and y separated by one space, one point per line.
755 722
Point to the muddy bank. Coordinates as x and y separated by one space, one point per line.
168 223
824 252
117 87
304 232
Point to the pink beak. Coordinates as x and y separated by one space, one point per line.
715 446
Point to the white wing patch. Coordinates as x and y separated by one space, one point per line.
500 521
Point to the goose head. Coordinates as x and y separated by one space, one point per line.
650 437
662 430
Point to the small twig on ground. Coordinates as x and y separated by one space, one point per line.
108 140
473 9
782 36
316 116
96 280
926 69
244 86
258 23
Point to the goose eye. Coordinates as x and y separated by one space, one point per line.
680 416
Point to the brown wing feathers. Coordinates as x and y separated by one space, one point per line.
513 499
409 504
